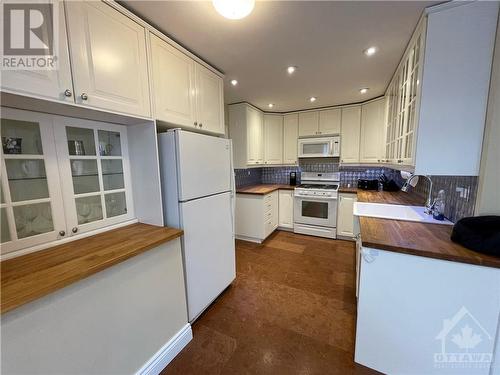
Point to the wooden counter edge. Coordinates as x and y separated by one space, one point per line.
9 302
269 189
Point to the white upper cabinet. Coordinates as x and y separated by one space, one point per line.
308 124
108 55
372 146
45 84
350 133
185 92
285 200
290 137
173 82
329 121
255 136
447 62
60 177
273 139
31 206
93 158
209 100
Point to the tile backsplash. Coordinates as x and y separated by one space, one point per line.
279 175
457 204
349 175
249 176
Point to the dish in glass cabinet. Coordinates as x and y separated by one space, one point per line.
30 168
76 147
12 145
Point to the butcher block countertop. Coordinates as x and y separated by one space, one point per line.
263 189
32 276
428 240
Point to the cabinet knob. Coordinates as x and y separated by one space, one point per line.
201 124
62 233
68 93
74 230
84 96
195 123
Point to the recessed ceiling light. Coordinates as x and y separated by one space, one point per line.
312 99
364 90
291 69
270 105
370 51
234 9
234 82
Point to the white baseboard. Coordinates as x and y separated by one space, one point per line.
167 353
249 239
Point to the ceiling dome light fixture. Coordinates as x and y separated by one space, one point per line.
312 99
270 105
234 82
364 90
370 51
234 9
291 69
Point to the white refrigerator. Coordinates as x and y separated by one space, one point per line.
198 196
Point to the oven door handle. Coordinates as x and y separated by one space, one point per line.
309 197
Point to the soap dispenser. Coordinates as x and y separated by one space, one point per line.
438 206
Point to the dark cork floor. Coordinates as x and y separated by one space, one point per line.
291 310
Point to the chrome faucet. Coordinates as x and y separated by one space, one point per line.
429 206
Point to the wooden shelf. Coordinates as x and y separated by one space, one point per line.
32 276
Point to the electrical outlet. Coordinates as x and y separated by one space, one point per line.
464 192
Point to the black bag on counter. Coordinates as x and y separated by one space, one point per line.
479 233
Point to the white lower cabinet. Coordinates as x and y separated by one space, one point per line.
256 216
419 315
286 209
60 177
346 222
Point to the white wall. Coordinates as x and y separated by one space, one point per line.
488 200
110 323
456 76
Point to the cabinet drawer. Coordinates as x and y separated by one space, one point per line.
268 227
268 215
268 198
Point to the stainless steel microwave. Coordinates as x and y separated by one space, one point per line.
324 147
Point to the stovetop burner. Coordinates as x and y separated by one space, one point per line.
319 186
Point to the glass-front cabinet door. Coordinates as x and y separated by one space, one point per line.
31 207
94 156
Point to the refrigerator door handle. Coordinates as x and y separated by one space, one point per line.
233 187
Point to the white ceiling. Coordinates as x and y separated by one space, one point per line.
324 39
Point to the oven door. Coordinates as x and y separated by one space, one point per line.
318 147
316 211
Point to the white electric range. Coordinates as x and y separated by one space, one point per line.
315 204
